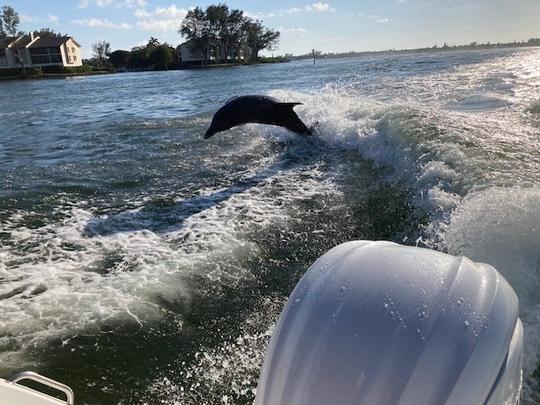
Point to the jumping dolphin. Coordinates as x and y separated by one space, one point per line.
259 110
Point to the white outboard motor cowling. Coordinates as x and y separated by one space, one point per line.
378 323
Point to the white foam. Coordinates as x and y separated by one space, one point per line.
501 227
53 280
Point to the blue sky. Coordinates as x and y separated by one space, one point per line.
326 25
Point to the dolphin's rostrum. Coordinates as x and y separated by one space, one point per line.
259 110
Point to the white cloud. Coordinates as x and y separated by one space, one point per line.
159 25
140 13
282 29
318 7
83 3
104 3
100 23
28 18
321 6
162 19
378 19
109 3
257 16
170 12
293 10
51 19
135 3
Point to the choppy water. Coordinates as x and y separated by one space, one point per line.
139 262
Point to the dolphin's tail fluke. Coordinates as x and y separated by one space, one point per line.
294 123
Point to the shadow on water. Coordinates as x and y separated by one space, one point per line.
168 216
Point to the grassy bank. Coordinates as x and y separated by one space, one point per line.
51 72
274 59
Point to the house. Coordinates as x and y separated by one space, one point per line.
191 52
34 51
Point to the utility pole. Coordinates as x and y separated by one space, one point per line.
313 52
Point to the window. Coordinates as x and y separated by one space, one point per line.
41 56
73 49
38 51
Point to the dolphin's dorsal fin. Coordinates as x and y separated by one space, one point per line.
290 105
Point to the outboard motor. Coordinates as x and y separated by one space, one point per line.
378 323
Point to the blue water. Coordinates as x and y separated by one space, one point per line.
139 262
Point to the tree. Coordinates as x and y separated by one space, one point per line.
258 38
153 42
196 27
233 33
101 51
47 33
162 55
9 20
139 57
119 58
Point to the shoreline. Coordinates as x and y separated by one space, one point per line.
270 60
263 61
55 75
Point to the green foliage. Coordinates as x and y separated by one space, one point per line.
17 72
153 42
162 56
274 59
101 51
9 21
47 33
259 38
139 58
119 58
152 56
230 27
66 70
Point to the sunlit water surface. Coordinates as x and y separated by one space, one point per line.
139 262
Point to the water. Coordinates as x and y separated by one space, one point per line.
139 262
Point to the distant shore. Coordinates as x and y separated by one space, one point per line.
32 73
533 42
54 75
93 71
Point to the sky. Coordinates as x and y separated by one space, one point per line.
325 25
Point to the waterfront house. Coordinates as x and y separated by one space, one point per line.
191 52
34 51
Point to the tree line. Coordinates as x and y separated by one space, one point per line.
230 28
153 55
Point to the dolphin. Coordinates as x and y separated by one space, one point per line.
257 109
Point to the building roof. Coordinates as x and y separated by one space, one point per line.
51 42
21 42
